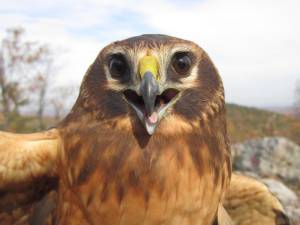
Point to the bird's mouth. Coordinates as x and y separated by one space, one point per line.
148 99
150 112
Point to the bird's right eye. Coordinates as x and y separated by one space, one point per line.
118 66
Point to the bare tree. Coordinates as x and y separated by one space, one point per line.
41 81
4 99
25 71
62 100
15 55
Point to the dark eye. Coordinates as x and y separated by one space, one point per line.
118 66
181 63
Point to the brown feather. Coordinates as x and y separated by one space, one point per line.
101 167
27 173
112 172
249 201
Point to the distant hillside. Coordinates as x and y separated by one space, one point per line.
246 123
287 110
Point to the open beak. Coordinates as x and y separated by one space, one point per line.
151 103
151 106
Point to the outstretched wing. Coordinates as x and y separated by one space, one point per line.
249 201
28 174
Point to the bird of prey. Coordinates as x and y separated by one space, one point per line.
145 143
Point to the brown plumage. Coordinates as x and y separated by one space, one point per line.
145 143
249 201
113 172
28 174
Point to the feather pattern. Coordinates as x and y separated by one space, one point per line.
100 166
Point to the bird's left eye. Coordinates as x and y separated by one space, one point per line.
118 66
181 63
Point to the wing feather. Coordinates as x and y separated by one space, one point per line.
223 217
24 157
28 176
249 201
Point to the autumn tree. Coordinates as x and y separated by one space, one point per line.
15 56
25 72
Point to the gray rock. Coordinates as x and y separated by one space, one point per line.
269 157
282 192
287 197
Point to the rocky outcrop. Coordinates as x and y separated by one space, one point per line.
269 160
269 157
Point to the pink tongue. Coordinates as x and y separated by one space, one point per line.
153 118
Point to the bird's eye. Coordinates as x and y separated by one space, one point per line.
118 66
181 63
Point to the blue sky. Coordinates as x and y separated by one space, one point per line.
254 44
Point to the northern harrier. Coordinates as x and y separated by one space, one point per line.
145 143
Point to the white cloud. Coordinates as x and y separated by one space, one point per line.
255 44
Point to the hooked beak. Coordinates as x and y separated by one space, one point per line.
148 100
149 89
151 106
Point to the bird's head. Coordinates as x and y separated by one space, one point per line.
153 78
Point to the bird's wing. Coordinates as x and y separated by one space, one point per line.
249 201
223 217
28 174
